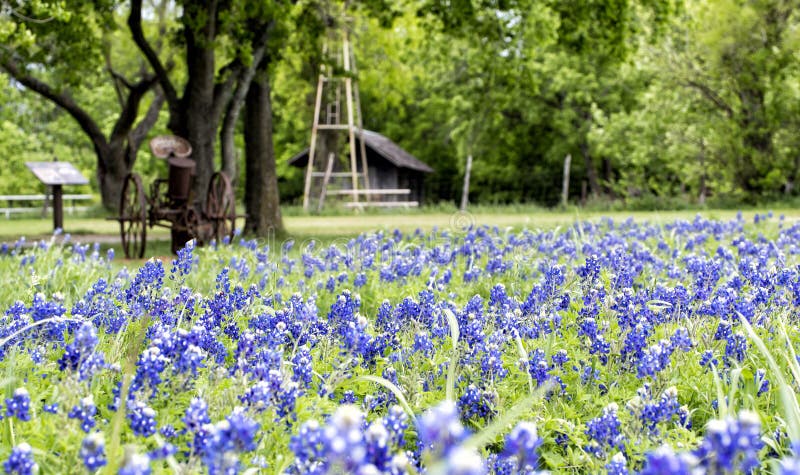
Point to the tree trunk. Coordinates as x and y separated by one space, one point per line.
262 201
199 124
226 135
608 177
111 172
115 154
591 171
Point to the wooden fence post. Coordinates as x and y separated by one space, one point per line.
565 183
465 191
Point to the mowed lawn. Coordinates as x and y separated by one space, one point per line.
88 229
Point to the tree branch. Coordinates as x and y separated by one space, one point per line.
138 134
223 91
712 96
234 108
116 78
131 108
135 25
63 100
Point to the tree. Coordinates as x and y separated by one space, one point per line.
55 50
261 186
739 59
212 96
717 116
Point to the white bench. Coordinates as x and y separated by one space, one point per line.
383 204
46 200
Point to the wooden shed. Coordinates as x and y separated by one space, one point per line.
389 167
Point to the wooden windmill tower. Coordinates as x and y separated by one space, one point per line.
337 113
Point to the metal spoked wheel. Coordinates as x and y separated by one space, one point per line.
192 220
133 217
220 206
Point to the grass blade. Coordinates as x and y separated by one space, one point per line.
722 404
523 355
450 388
499 425
787 395
398 393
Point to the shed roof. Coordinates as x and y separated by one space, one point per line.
381 145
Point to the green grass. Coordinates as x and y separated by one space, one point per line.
335 223
55 271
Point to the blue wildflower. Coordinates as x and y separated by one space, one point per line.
135 464
20 462
84 412
19 405
142 419
664 461
93 451
731 444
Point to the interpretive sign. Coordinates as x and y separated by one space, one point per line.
56 174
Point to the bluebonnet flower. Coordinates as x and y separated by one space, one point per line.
93 363
651 412
789 465
85 412
520 447
302 369
423 343
439 429
308 447
736 347
538 367
168 431
344 437
681 340
348 397
182 266
149 367
604 431
360 280
228 438
344 444
664 461
163 451
396 422
762 383
135 464
591 270
560 358
492 358
20 462
476 403
93 452
708 359
142 419
19 405
190 360
618 465
731 444
654 359
464 461
196 415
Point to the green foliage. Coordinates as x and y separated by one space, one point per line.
657 101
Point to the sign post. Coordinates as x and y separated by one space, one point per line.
55 174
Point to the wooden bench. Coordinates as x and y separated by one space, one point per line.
377 192
12 200
383 204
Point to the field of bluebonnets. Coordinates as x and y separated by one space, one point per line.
619 347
